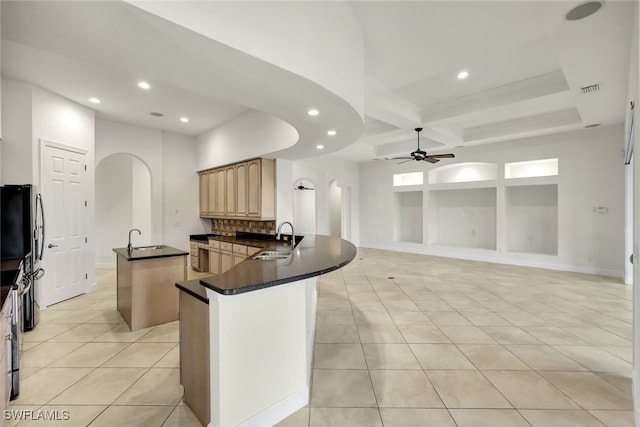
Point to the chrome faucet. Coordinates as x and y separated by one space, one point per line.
293 233
129 247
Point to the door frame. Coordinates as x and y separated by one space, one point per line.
44 142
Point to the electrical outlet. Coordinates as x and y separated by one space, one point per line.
589 259
176 223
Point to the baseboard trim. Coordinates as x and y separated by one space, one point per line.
279 411
494 257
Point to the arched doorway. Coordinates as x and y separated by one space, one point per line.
123 202
304 206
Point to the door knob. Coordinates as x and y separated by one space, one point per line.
51 245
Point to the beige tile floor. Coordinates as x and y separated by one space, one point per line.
401 340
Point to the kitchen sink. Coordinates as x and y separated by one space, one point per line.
148 248
270 255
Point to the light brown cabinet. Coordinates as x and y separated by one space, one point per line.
199 255
220 192
212 188
204 196
224 255
194 355
230 191
226 261
242 190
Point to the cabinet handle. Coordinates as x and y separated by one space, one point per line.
51 245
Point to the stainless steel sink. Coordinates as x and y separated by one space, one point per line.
270 255
148 248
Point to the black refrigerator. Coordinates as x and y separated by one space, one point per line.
22 235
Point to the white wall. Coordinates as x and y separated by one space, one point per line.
146 145
284 193
171 159
633 94
591 174
408 219
113 201
31 114
249 135
17 148
57 119
140 202
532 218
463 218
180 195
321 171
335 209
304 208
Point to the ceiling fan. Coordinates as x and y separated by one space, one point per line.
419 154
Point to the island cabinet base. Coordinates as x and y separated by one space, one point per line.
194 355
147 295
261 347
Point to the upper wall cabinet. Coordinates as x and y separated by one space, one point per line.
242 190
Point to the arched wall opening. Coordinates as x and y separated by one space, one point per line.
305 214
123 202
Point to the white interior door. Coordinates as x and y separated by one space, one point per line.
62 181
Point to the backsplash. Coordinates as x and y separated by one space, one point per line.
228 227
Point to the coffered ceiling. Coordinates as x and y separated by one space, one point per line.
526 64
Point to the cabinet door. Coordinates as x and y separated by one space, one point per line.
212 187
195 262
204 204
230 176
214 261
253 187
238 258
225 261
220 192
241 189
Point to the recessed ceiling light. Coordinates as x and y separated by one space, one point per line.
184 119
331 132
156 114
463 75
319 146
144 85
584 10
94 100
313 112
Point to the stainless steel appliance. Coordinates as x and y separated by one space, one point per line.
13 284
22 234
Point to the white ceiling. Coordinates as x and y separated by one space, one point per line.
526 66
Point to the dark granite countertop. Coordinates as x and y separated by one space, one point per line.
195 289
313 255
202 238
164 251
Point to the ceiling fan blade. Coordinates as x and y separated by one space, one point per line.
408 160
441 156
399 158
430 159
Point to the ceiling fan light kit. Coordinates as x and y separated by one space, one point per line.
421 155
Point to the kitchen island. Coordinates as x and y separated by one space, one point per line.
257 321
145 284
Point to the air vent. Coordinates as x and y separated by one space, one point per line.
590 88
